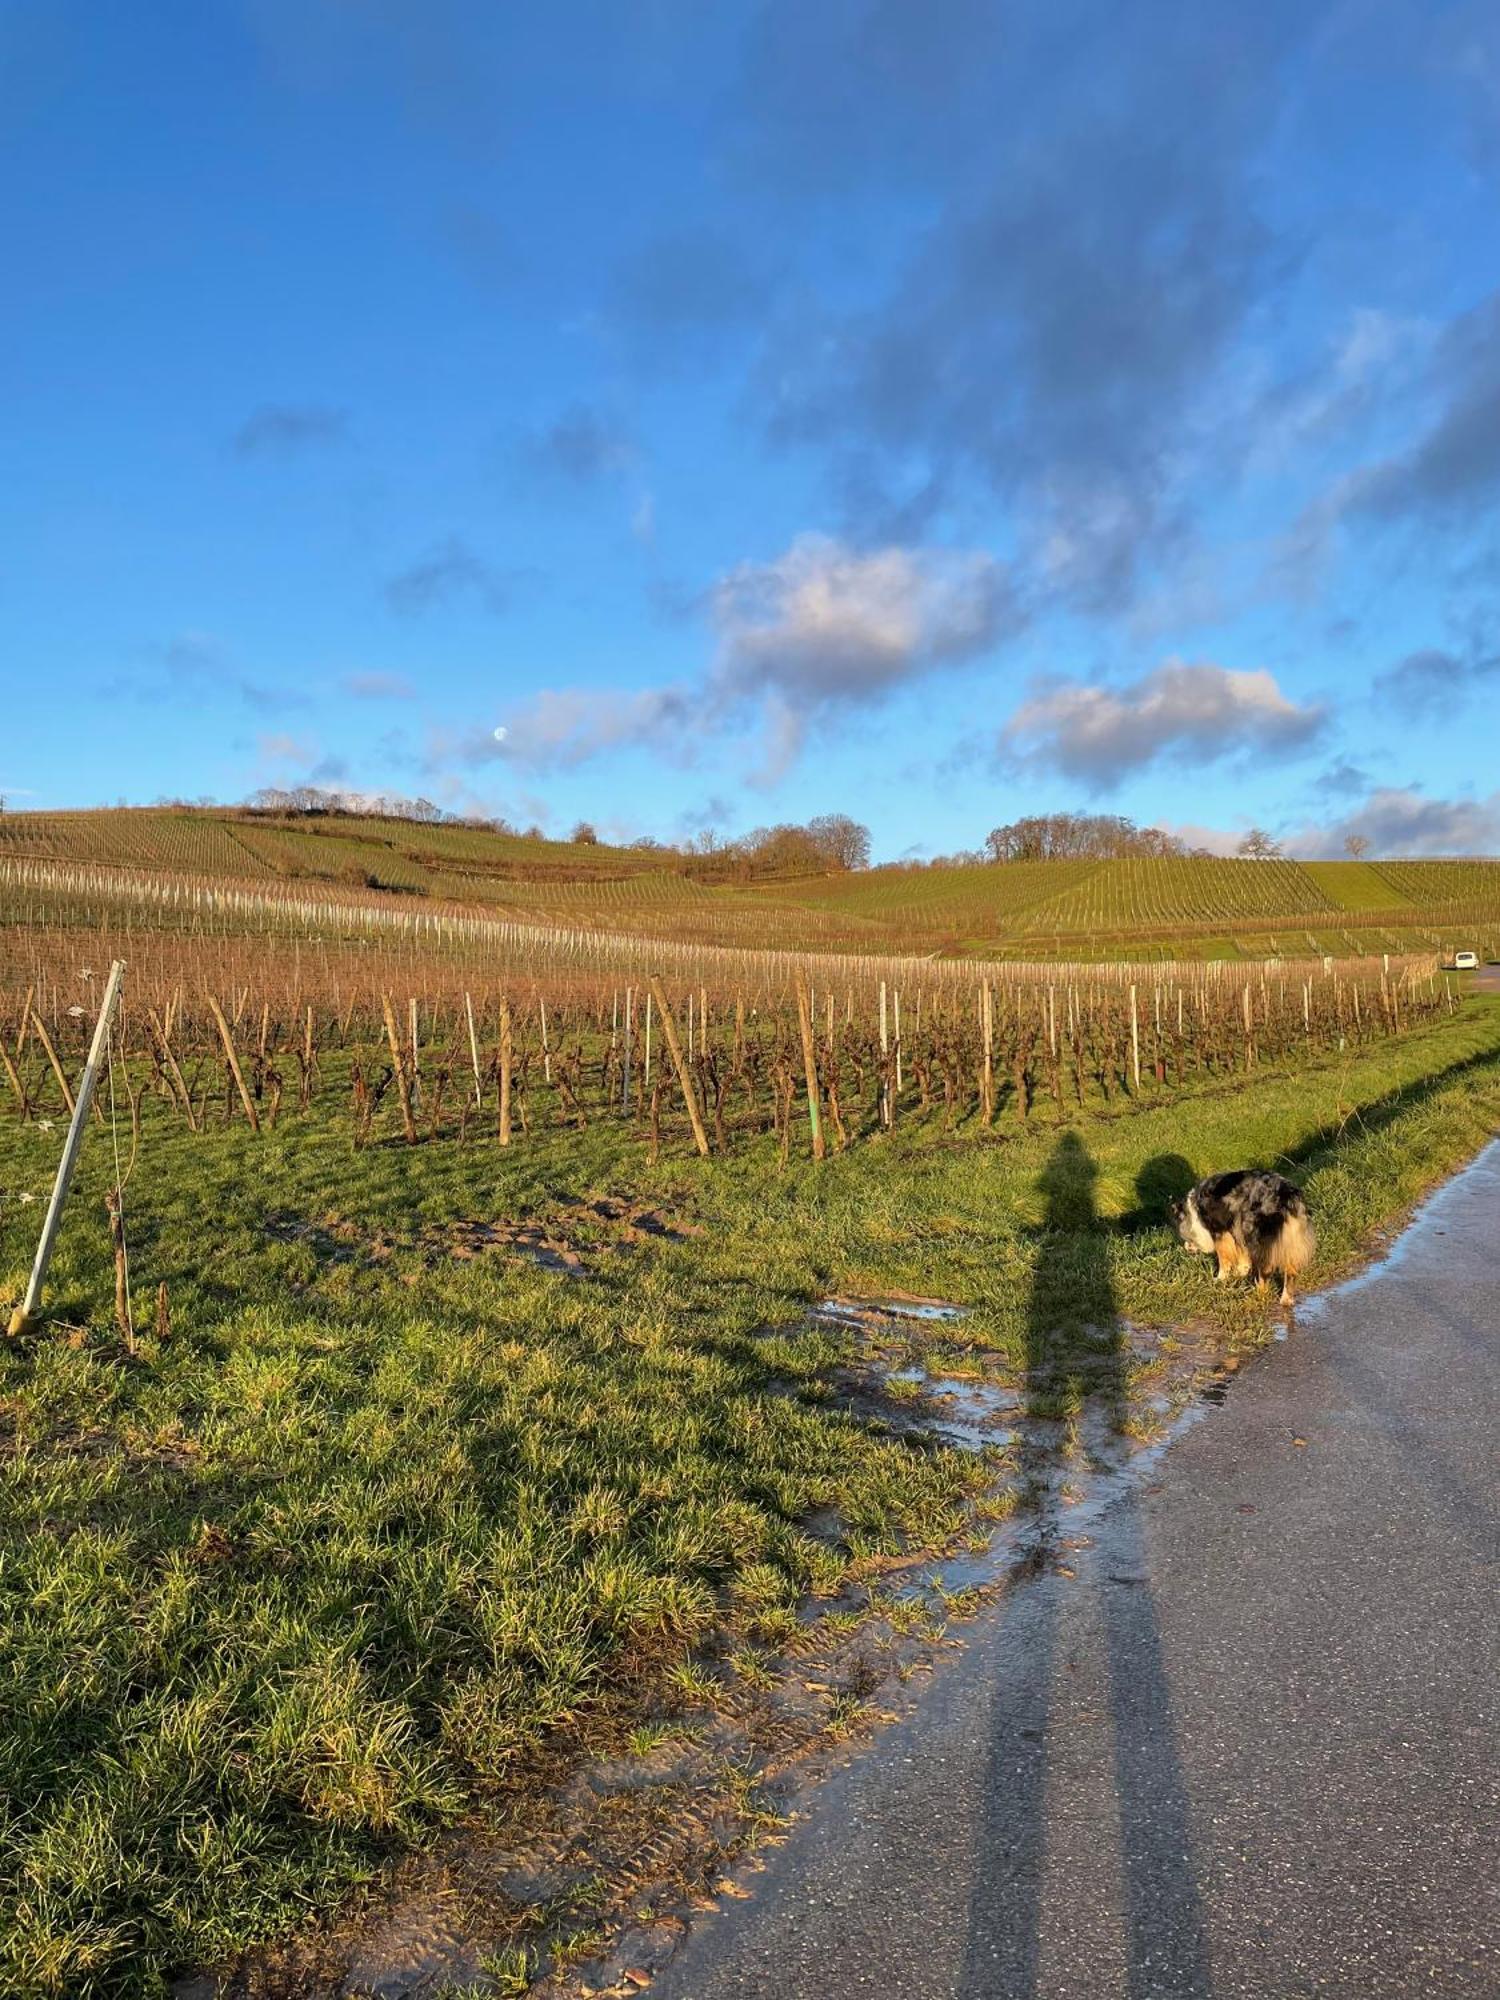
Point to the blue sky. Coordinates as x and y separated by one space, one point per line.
935 413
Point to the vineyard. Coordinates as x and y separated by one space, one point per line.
1184 907
455 1363
251 999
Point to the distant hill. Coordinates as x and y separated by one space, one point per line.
1139 907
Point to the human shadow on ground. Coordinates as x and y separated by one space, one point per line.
1022 1898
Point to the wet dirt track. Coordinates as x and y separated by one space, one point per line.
1250 1747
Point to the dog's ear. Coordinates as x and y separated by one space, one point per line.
1175 1208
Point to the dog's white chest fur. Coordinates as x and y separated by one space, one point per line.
1201 1240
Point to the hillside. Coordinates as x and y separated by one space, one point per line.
1179 907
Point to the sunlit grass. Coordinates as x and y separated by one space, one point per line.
310 1580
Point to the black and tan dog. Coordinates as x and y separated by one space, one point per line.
1253 1222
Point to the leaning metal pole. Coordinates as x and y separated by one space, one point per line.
24 1316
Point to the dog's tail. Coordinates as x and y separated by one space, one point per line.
1291 1248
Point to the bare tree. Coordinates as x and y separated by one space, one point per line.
1065 836
845 842
1259 846
1356 846
583 835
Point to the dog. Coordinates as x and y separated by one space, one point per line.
1254 1222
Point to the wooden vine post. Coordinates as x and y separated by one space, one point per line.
234 1062
39 1027
629 1026
12 1077
679 1063
474 1050
174 1073
885 1050
809 1063
505 1058
987 1074
24 1316
403 1088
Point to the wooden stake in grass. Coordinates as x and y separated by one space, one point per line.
987 1075
403 1088
679 1063
809 1063
474 1050
885 1049
22 1031
625 1077
40 1028
13 1078
25 1314
174 1074
122 1270
234 1062
505 1055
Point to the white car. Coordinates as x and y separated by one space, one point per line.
1465 961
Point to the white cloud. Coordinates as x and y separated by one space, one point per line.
1100 734
280 748
1212 839
562 727
1404 821
826 623
820 627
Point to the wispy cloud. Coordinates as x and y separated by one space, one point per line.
578 447
378 687
1424 683
451 569
281 429
199 667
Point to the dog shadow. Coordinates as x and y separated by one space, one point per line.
1163 1179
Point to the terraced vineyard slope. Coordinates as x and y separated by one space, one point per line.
1182 907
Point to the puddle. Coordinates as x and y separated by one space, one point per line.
1479 1182
842 1310
965 1413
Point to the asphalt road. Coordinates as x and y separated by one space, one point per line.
1251 1748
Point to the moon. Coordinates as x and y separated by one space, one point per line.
501 733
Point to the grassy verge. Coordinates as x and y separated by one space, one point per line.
286 1591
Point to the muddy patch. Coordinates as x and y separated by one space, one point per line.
466 1240
567 1239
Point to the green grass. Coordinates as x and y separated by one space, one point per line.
1356 885
313 1578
